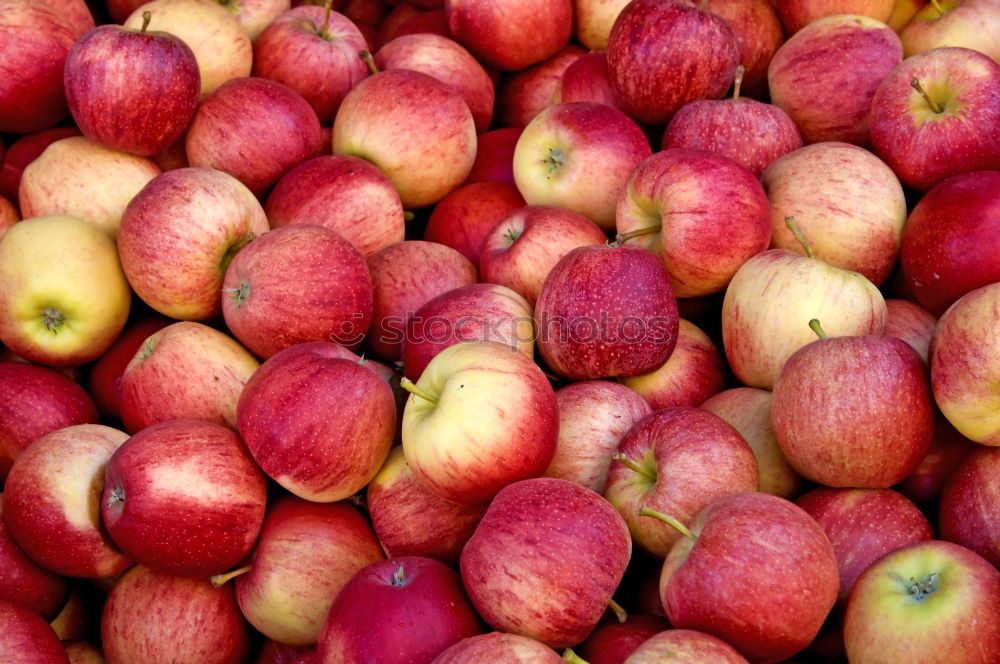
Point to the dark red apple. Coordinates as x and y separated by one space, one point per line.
25 637
463 218
969 501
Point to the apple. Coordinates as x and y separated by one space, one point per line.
37 400
963 23
754 570
52 502
947 451
796 14
523 94
944 125
195 622
511 437
587 79
433 21
498 648
967 502
593 21
447 61
76 13
132 90
701 213
888 397
662 55
693 372
318 424
913 600
417 130
184 497
770 301
826 75
759 34
911 323
606 312
463 218
295 284
343 193
404 277
273 652
104 378
748 410
305 555
522 248
849 204
220 45
75 620
965 366
34 42
179 234
313 51
478 312
25 150
676 461
948 239
391 22
410 520
544 545
9 215
253 128
902 12
255 15
694 646
612 642
65 297
512 35
71 177
185 370
407 609
25 582
750 132
593 417
25 637
495 155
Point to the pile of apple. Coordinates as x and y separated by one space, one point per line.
499 331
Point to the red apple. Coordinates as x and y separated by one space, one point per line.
52 502
947 451
695 647
911 323
434 22
104 379
9 215
184 497
194 621
185 370
25 150
758 34
544 545
969 501
25 582
525 93
587 79
495 156
826 74
498 648
463 218
343 193
796 14
612 642
25 637
405 276
314 52
134 91
662 55
317 423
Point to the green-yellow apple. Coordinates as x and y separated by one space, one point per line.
902 12
65 297
480 417
593 21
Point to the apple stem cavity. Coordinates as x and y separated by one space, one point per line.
738 81
399 577
622 238
147 16
326 20
53 318
815 327
916 85
793 226
219 580
556 159
632 465
669 520
369 61
921 589
412 388
572 657
621 615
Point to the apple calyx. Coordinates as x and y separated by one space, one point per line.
117 496
239 293
936 107
621 615
622 238
572 657
793 226
738 81
555 160
922 588
634 466
366 57
398 577
323 34
669 520
219 580
412 388
53 318
147 16
511 236
815 327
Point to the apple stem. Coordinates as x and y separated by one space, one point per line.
815 327
117 496
572 657
147 16
936 107
53 318
924 587
369 61
671 521
511 236
219 580
408 215
399 576
555 160
358 501
145 351
412 388
622 238
630 464
738 81
326 20
239 293
937 8
620 613
793 226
